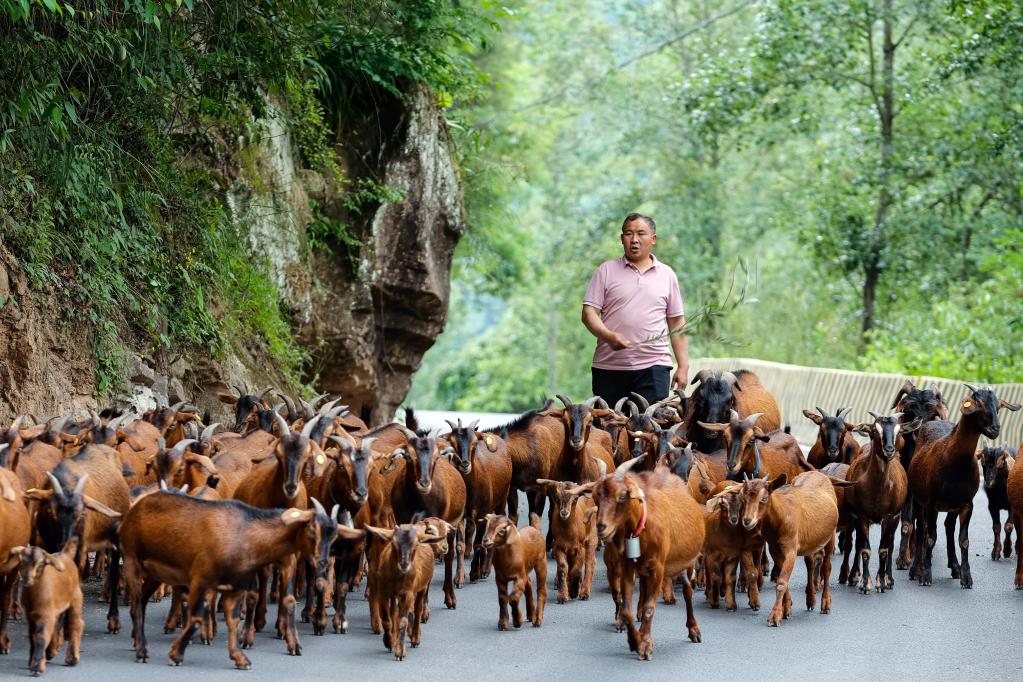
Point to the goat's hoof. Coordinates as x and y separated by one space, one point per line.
695 636
562 600
243 666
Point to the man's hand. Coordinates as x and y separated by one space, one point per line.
617 341
680 378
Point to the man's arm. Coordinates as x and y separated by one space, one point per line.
595 324
679 346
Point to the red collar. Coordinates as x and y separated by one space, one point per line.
642 522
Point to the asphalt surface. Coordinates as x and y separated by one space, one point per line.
940 632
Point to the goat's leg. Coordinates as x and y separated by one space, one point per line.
260 616
406 604
905 540
889 524
930 526
40 635
966 577
950 529
1007 549
286 607
450 600
416 633
863 544
541 593
811 583
173 621
113 580
209 618
692 627
74 625
513 504
513 601
530 602
752 581
716 584
786 560
668 591
919 535
196 604
996 526
473 547
575 570
856 572
6 598
627 578
590 565
305 569
1017 518
460 555
845 543
826 578
251 598
561 578
645 648
139 589
502 604
232 604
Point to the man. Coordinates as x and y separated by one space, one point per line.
630 306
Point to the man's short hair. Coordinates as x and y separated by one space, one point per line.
639 216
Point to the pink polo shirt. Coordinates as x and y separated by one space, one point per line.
635 305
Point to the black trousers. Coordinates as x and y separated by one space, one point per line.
612 385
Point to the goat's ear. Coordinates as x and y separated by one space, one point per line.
293 515
760 435
912 426
54 561
384 534
1010 462
489 439
583 490
636 493
346 533
228 398
849 427
70 547
714 427
589 515
213 481
37 494
601 413
715 503
1009 406
813 416
779 481
99 507
863 429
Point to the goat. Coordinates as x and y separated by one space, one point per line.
15 528
245 404
217 545
743 438
656 508
725 544
996 463
575 539
878 496
430 485
51 597
835 442
581 442
87 492
1014 491
29 459
535 441
718 394
403 566
485 466
943 476
921 405
517 551
795 520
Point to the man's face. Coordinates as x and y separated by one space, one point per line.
638 240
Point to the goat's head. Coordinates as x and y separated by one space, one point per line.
245 405
728 503
886 434
354 462
641 420
32 560
679 460
321 529
620 500
421 454
168 462
404 540
578 418
831 430
740 436
499 531
756 498
995 461
294 451
432 527
714 397
919 404
66 506
464 439
981 408
562 494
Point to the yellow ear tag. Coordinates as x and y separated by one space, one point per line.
490 441
967 404
295 514
319 459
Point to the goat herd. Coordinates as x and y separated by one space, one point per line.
681 492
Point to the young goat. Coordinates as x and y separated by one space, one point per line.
51 596
517 551
403 565
835 442
795 520
14 531
575 539
997 462
725 544
943 476
779 454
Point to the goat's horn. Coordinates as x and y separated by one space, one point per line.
821 410
601 465
563 399
731 379
81 484
184 489
180 446
16 424
842 412
906 388
290 404
633 409
627 465
318 506
328 406
240 391
733 415
641 401
307 409
875 416
333 512
409 433
262 395
310 425
320 397
600 402
55 483
367 442
163 485
650 409
619 405
453 427
701 376
473 424
972 388
207 433
751 420
281 424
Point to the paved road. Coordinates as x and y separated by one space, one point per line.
939 632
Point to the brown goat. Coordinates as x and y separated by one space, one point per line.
877 497
403 566
943 476
217 545
795 520
655 507
14 531
780 453
996 463
575 539
485 466
835 442
1014 491
726 543
51 597
719 393
517 551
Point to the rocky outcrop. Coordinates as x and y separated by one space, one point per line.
367 314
